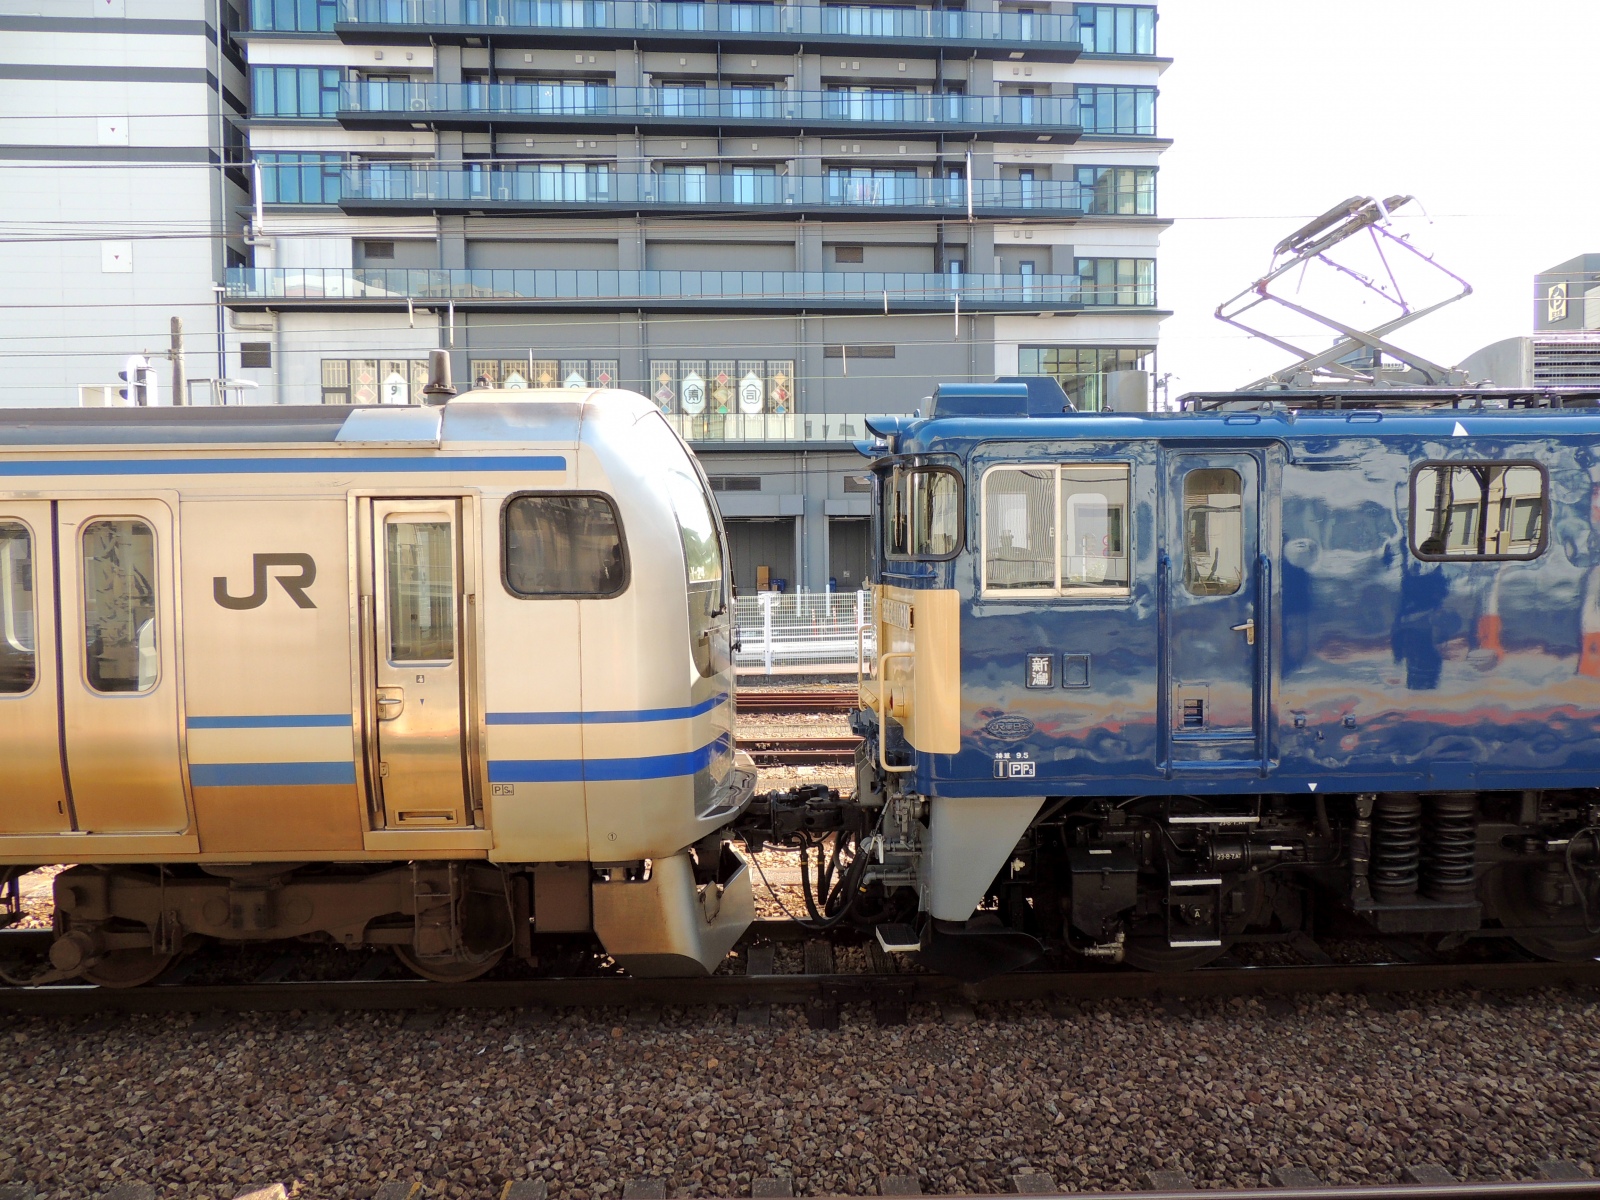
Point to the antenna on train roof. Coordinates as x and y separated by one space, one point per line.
439 388
1356 358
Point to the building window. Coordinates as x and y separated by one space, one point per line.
848 352
1108 109
858 483
302 92
1118 282
293 16
544 372
1478 510
1029 510
378 251
849 254
735 483
1082 370
256 355
300 178
722 386
1117 191
1116 29
373 380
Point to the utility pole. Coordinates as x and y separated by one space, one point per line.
180 385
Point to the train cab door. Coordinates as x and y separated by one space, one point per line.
116 596
33 794
1215 596
418 739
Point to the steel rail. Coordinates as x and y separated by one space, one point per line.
1541 1189
801 751
887 993
790 701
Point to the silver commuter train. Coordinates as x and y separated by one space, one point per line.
443 679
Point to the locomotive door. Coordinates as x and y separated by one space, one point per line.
33 795
417 743
1213 595
119 680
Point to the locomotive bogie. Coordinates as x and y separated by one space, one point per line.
415 658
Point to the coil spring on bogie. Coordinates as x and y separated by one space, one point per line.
1396 846
1450 859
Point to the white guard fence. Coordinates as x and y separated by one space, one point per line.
779 633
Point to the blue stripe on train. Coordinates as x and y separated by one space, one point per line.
271 774
286 721
619 716
606 770
358 464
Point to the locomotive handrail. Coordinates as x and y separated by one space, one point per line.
1264 657
882 706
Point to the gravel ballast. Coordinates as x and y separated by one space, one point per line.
1226 1091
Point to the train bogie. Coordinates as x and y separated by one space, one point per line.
370 675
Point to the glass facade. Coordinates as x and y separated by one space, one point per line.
301 92
300 178
1113 109
293 16
1118 282
1081 370
1116 29
1118 191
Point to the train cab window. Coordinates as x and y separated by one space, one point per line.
119 605
422 590
563 544
18 653
1057 531
924 513
1213 531
1478 510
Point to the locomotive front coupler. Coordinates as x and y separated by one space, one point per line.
814 810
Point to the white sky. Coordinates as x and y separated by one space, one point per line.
1485 112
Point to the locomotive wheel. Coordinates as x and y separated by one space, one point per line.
1153 954
451 971
127 968
1559 936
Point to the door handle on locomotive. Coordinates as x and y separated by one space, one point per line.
1248 629
391 703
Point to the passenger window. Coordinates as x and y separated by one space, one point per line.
1213 525
18 653
119 606
1019 534
1477 510
924 513
563 545
422 603
1094 537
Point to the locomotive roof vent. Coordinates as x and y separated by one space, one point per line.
980 400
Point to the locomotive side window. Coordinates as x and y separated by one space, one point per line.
563 545
18 665
924 513
1056 530
1213 532
422 600
119 605
1478 510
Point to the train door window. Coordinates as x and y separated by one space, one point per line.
1213 537
18 652
1019 533
1478 510
422 602
119 605
924 514
563 545
1094 530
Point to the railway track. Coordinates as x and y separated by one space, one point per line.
797 701
801 751
823 992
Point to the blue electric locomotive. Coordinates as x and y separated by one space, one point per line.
1148 682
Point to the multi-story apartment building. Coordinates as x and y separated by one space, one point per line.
772 217
115 117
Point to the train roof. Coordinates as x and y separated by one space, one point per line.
1297 415
482 415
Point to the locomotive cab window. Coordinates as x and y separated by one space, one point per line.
1056 531
18 652
563 544
119 606
924 513
1213 532
1478 510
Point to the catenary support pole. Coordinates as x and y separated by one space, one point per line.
180 383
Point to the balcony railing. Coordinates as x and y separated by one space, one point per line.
853 291
714 106
650 16
772 427
528 187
